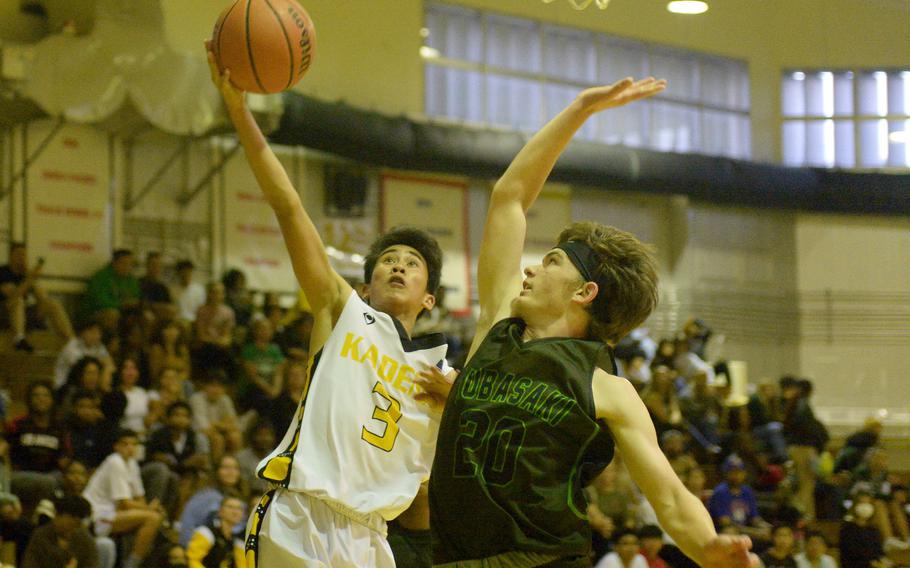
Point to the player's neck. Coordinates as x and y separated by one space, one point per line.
569 324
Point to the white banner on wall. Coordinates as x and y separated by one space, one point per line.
67 200
252 237
439 207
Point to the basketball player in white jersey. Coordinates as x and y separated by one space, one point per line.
361 445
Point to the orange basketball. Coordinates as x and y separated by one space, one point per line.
267 44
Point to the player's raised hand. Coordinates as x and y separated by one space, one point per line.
728 551
434 387
620 93
233 97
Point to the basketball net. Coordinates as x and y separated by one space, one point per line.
582 4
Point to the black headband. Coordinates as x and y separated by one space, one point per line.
588 263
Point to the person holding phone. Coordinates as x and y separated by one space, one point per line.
26 303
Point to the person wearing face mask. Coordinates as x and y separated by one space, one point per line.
860 541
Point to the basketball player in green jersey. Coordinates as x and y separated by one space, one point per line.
536 411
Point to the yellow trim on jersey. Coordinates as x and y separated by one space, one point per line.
252 539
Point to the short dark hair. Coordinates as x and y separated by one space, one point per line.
152 254
817 534
35 386
183 264
120 253
624 531
125 433
73 505
176 405
15 245
650 531
83 324
419 240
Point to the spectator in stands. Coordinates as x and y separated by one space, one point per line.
216 543
263 365
651 538
780 555
755 419
806 438
625 553
83 433
87 343
673 444
857 444
261 441
86 376
666 353
872 475
687 363
860 542
733 501
118 499
281 411
702 410
63 542
38 447
215 324
171 388
696 333
204 503
24 302
15 528
188 295
660 399
294 340
815 554
168 348
173 450
215 416
137 416
695 483
238 296
152 290
112 289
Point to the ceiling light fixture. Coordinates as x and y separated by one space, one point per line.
687 7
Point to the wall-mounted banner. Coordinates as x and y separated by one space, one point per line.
440 207
68 211
252 237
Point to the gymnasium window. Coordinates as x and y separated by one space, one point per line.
846 119
488 69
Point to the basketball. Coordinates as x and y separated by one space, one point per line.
268 45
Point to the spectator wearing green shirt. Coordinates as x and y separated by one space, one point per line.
263 364
112 289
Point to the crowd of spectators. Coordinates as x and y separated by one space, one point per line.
141 448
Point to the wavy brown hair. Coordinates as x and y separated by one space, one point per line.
630 269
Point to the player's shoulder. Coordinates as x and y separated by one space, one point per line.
612 393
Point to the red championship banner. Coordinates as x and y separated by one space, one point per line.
439 207
252 237
68 215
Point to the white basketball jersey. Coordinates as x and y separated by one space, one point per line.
359 438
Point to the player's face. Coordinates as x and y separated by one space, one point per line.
548 287
399 281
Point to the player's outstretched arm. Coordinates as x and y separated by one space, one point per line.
680 513
322 287
498 272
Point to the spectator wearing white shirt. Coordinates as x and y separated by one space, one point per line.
625 553
87 343
118 499
138 415
816 552
188 295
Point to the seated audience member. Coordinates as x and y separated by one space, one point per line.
171 388
84 423
25 302
137 416
84 376
187 294
118 502
625 552
733 501
652 541
660 399
37 446
673 444
282 410
153 292
294 339
214 415
217 543
238 296
860 542
63 542
214 331
227 480
872 475
173 450
857 444
695 482
15 528
780 555
87 343
111 290
815 554
261 441
169 349
263 365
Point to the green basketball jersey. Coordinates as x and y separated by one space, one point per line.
517 443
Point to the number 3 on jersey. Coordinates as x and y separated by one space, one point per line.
390 415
